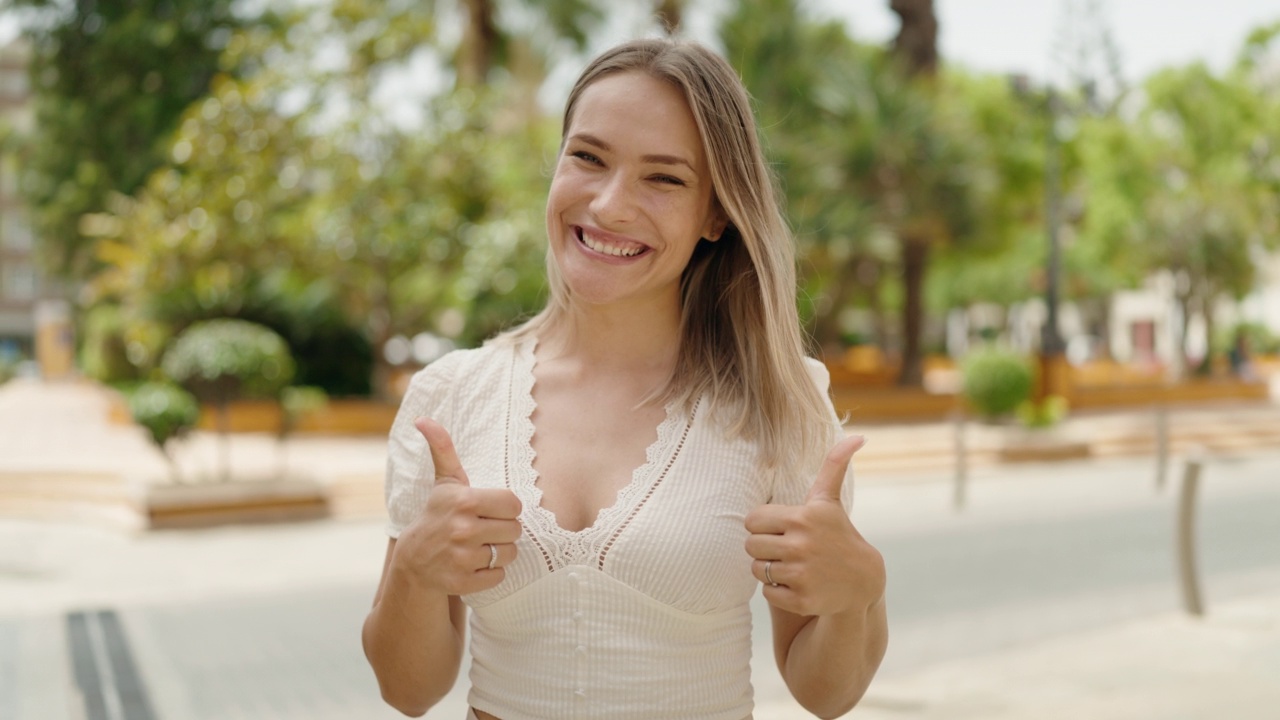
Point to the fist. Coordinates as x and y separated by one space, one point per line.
465 536
810 557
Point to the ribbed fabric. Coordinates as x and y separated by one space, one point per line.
642 615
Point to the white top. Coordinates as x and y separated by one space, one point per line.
644 614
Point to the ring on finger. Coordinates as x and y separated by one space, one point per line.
493 556
768 576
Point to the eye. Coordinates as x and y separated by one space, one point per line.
586 157
668 179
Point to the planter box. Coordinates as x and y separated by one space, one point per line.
242 501
1021 444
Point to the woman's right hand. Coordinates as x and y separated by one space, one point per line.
447 548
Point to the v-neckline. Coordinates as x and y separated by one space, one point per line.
570 547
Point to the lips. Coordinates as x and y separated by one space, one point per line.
609 244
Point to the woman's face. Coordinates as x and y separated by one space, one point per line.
631 195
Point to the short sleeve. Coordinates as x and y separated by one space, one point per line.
793 488
410 472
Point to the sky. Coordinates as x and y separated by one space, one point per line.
1017 36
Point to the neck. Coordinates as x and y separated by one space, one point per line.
616 339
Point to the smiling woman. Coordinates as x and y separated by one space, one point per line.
606 486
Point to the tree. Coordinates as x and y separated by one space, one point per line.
916 48
110 82
221 361
271 215
166 412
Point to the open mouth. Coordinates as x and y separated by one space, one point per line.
609 247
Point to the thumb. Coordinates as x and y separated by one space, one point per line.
834 468
443 455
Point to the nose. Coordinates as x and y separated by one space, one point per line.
614 200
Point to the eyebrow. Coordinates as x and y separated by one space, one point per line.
652 158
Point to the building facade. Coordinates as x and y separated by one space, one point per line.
22 289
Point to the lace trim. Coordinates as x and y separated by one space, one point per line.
517 417
652 488
561 547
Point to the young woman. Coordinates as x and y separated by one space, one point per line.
605 486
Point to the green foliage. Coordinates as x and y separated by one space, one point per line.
110 81
996 381
1046 413
1258 338
283 218
7 370
296 401
104 354
164 409
220 360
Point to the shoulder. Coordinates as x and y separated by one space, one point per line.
818 373
457 365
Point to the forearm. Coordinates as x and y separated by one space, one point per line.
414 642
832 659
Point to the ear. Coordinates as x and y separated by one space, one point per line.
717 221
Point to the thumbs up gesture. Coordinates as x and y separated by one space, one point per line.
810 557
465 536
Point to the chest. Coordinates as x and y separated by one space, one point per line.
588 444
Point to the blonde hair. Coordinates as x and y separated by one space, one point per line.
741 344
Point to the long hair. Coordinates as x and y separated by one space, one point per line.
741 343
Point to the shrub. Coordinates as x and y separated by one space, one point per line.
221 360
1047 413
166 411
996 382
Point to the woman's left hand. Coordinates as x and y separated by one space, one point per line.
810 557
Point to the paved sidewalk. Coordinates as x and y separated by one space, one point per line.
1225 666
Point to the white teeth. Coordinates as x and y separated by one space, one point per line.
608 249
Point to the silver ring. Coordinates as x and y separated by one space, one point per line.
493 556
768 576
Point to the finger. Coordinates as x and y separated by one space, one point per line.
777 571
769 519
768 547
443 454
783 598
504 554
498 531
495 503
834 468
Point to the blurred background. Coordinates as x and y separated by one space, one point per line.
1039 251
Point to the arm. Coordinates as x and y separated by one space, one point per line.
459 543
828 661
413 639
825 586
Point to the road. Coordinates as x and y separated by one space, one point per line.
263 622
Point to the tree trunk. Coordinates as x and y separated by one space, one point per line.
827 331
916 45
916 48
670 14
915 258
1179 355
475 56
1206 306
224 438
